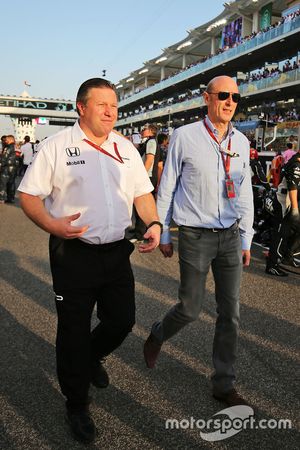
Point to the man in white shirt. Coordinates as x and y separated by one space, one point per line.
81 188
149 150
27 153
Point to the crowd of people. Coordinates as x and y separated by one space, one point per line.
190 94
283 20
272 114
265 72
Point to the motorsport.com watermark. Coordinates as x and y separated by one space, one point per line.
238 418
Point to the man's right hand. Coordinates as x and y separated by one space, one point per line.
166 249
61 227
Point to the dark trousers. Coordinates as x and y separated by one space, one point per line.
85 275
11 188
285 240
199 250
7 185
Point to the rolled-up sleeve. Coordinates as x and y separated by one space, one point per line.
37 180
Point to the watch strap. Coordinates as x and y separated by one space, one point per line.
156 222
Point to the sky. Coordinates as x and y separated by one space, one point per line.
56 45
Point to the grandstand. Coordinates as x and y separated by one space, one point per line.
254 41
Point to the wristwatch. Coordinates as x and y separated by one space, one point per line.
156 222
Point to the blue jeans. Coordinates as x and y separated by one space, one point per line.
200 249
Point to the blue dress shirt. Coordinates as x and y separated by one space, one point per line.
192 190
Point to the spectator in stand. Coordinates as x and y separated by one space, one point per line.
287 66
288 153
27 153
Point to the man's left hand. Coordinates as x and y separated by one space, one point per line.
152 236
246 258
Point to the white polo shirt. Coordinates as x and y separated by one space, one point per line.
72 177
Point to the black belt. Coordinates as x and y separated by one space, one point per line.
79 242
234 226
106 246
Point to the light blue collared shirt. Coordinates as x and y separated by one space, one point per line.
192 190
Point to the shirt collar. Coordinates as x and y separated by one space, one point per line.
229 133
78 135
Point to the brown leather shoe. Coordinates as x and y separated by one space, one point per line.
231 398
151 351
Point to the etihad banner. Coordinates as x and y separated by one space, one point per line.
37 104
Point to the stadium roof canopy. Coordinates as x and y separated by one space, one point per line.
197 44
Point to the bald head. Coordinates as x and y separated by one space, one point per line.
222 80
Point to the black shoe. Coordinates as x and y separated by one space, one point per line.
81 425
99 376
276 271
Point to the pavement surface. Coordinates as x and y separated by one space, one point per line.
131 412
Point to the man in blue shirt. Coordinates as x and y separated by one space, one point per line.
206 189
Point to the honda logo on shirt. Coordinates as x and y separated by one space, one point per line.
72 151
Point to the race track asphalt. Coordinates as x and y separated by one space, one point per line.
131 412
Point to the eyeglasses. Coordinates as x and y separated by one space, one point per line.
225 95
